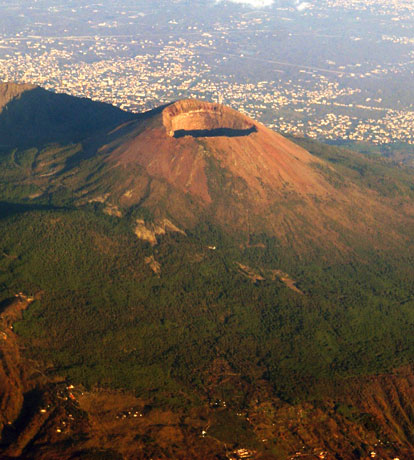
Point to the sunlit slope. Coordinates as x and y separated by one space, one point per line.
224 168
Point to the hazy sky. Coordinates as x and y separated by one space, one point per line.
300 5
254 3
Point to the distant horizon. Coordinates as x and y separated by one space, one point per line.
258 57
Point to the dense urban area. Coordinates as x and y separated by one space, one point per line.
358 86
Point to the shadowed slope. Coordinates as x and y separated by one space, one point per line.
217 132
31 116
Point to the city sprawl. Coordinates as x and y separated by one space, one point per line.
358 86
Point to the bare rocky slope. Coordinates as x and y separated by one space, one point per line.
10 91
235 172
222 166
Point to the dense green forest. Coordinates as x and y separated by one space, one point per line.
105 318
239 293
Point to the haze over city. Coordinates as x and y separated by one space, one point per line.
334 69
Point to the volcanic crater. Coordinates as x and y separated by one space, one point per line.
204 119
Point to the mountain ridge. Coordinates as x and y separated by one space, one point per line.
253 179
209 289
31 116
12 90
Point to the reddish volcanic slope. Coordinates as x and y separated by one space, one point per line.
194 160
265 160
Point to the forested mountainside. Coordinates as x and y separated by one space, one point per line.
189 284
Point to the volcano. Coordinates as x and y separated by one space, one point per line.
177 144
192 161
187 283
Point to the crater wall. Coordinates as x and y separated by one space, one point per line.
204 119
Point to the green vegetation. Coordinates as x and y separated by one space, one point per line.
228 427
397 151
368 170
106 319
